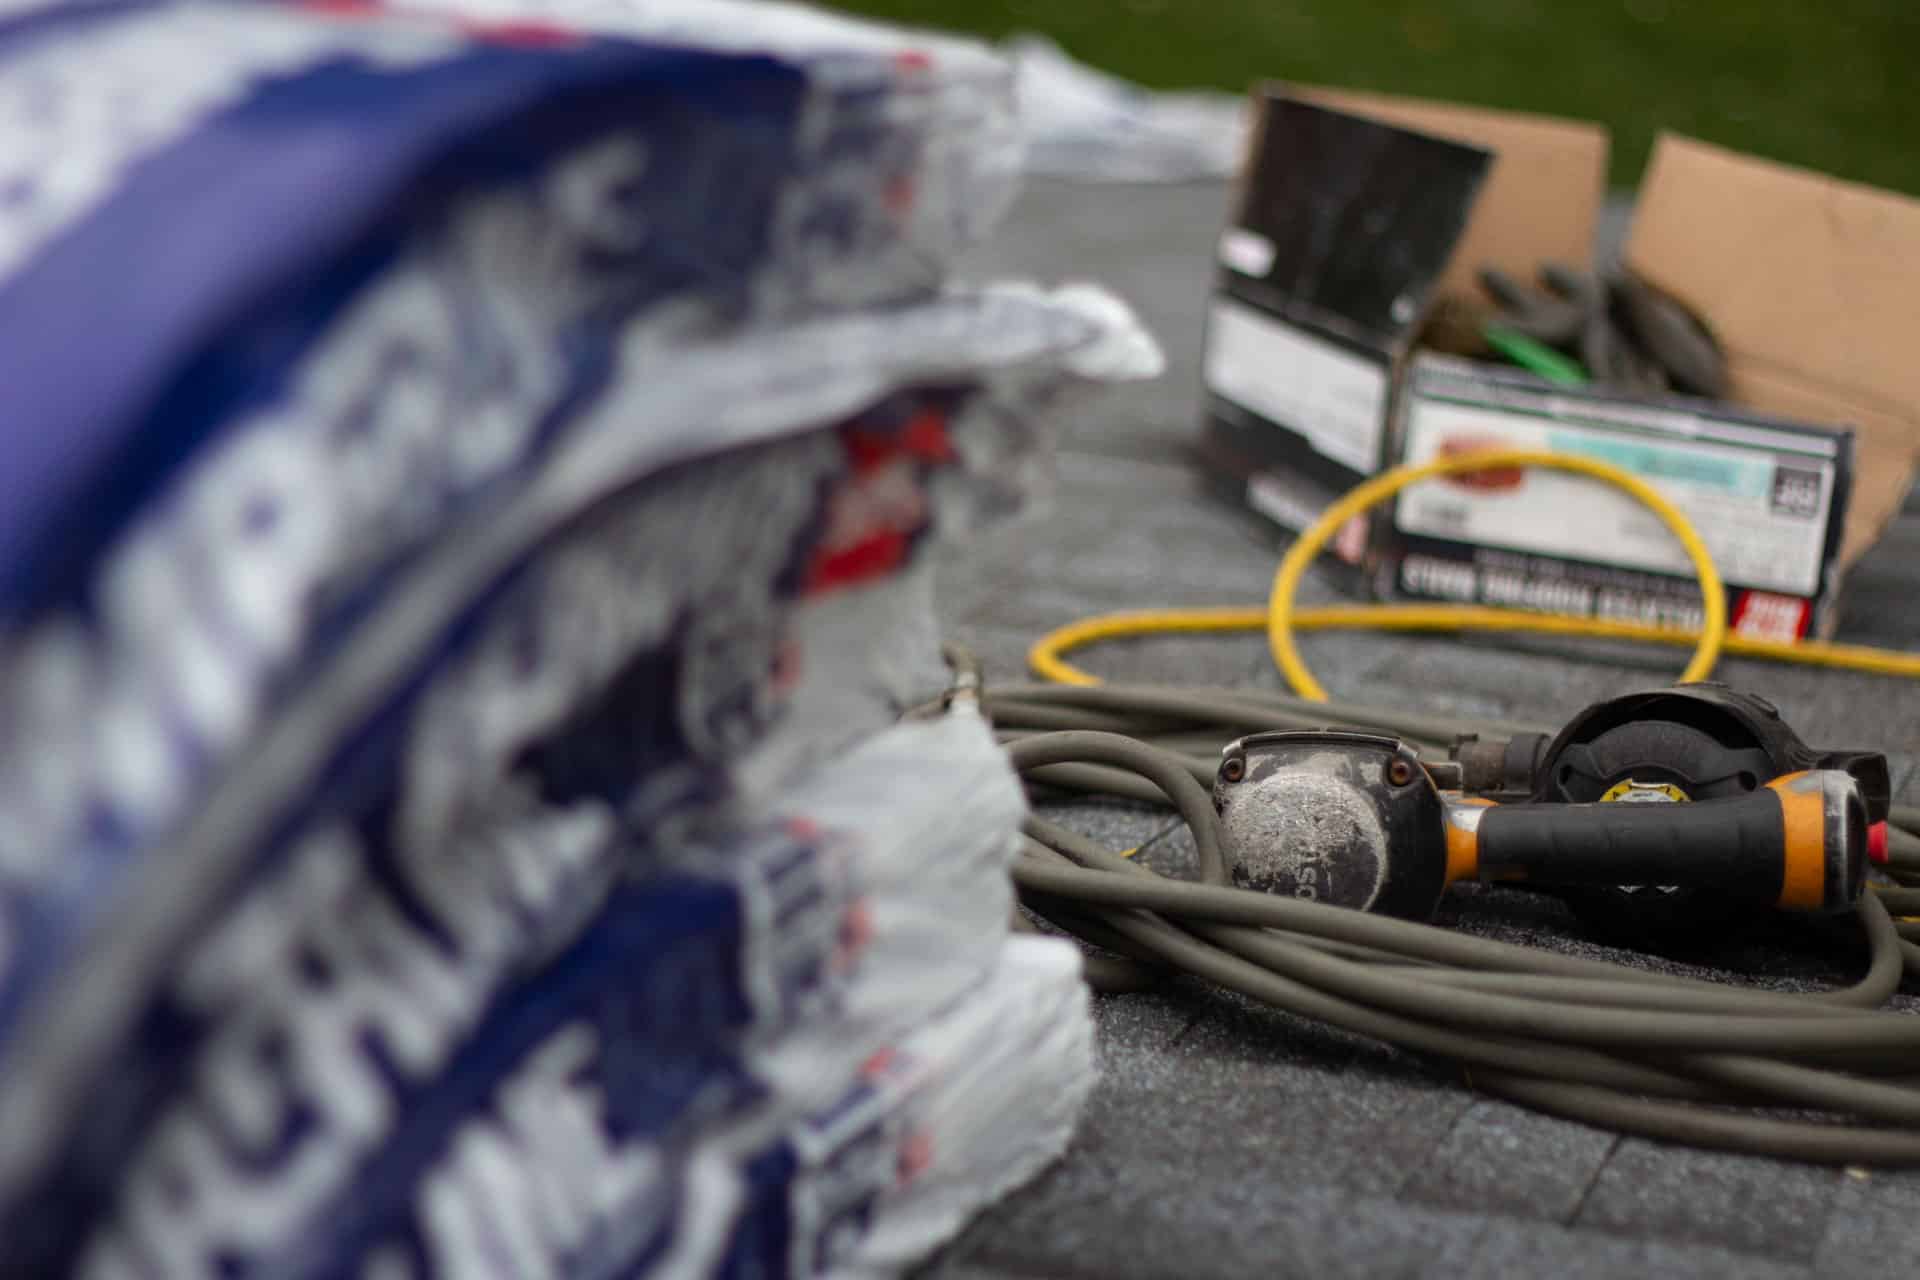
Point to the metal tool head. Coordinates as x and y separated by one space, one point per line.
1350 819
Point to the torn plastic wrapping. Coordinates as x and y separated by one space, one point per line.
723 987
364 636
544 1175
301 456
538 705
457 224
941 111
956 1114
1086 125
718 396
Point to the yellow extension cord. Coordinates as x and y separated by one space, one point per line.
1280 620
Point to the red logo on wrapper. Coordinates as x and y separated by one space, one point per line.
872 519
1762 615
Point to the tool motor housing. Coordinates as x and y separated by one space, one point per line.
1706 741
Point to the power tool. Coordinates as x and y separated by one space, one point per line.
1696 790
1644 811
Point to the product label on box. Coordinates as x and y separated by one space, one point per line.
1761 516
1505 579
1332 397
1766 500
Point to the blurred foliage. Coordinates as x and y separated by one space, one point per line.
1831 86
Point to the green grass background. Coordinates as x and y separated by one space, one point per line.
1834 86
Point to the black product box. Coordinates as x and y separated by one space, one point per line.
1344 225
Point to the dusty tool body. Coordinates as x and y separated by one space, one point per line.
1694 789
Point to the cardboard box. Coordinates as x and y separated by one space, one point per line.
1813 288
1543 192
1811 285
1344 228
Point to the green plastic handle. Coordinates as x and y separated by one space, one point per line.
1535 356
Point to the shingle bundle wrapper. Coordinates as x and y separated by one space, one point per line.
463 557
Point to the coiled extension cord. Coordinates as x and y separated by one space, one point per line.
1647 1053
1828 1077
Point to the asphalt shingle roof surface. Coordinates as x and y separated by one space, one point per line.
1226 1139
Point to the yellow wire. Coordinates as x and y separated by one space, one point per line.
1048 662
1293 567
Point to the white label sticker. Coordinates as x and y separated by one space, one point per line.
1762 516
1336 399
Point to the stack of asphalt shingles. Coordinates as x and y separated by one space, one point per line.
462 565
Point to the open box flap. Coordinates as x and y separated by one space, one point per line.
1813 287
1541 198
1354 218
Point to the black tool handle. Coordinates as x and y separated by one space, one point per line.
1799 842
